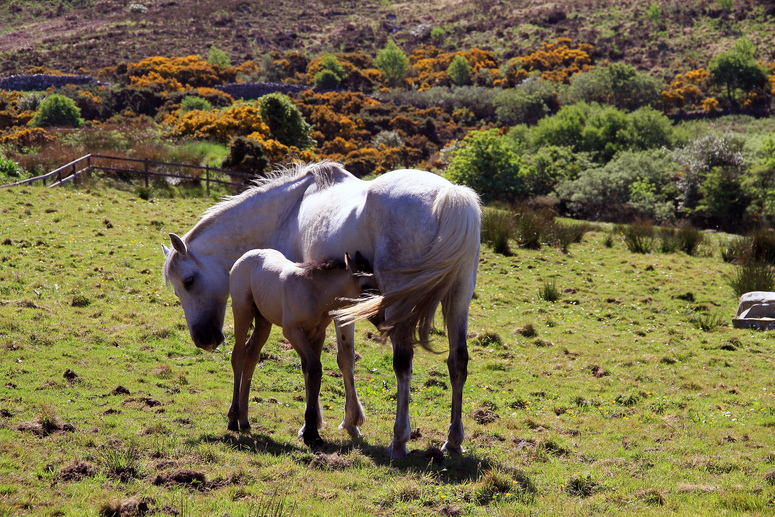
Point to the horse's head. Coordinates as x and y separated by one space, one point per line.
202 285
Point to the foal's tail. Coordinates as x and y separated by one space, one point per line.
428 279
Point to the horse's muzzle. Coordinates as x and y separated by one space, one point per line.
207 337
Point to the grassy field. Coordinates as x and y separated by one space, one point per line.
609 400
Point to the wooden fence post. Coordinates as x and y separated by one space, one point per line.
146 172
75 173
207 175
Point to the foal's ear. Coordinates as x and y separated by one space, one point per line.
348 263
178 244
362 263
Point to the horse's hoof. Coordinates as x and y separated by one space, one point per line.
452 450
397 451
245 426
314 442
233 426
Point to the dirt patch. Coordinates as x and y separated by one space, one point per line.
45 427
128 508
485 416
333 461
76 471
186 477
120 390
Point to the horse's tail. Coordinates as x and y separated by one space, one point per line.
426 281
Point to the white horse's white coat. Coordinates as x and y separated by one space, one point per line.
420 233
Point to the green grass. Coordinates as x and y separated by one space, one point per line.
606 401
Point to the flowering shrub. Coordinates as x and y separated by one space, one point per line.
556 61
221 126
20 138
687 90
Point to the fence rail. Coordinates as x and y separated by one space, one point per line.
148 169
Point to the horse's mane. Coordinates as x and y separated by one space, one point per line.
325 173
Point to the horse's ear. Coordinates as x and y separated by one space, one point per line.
178 244
165 250
348 262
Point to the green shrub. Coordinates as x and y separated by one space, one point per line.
617 84
531 227
218 57
549 291
193 102
751 276
497 227
486 163
332 73
526 103
285 121
639 237
9 168
459 70
57 110
392 62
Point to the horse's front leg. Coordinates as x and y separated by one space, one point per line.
252 356
313 375
402 366
354 415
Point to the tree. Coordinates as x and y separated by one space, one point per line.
392 62
738 69
285 121
57 110
459 70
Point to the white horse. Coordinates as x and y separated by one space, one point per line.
267 287
420 233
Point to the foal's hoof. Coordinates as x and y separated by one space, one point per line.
452 450
314 442
353 431
233 426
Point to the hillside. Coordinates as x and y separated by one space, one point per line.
91 34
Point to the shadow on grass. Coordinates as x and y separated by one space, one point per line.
334 455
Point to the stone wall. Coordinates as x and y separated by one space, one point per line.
37 82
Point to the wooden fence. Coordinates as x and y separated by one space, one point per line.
146 168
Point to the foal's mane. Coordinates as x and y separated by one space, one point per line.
324 264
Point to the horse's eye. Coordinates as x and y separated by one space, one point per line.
188 282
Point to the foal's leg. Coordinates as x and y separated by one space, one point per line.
313 374
345 358
252 355
402 366
243 316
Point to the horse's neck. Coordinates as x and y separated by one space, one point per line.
252 223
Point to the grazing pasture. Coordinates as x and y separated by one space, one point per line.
610 399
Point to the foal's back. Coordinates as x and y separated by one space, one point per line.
286 293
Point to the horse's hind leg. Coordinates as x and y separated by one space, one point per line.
457 362
252 356
402 367
345 358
